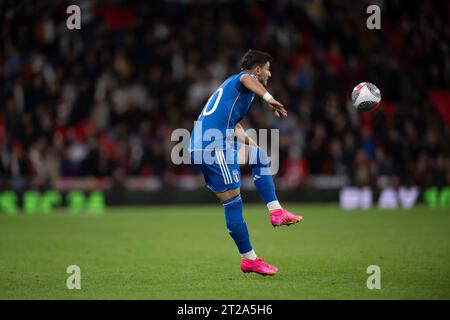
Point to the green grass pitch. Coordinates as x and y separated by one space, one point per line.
185 252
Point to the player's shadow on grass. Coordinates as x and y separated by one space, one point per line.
255 277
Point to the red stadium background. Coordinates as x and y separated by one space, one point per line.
93 109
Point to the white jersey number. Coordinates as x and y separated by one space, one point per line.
219 96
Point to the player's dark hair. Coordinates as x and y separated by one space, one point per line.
254 58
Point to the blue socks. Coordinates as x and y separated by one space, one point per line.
236 224
262 178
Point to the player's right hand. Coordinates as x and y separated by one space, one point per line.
278 108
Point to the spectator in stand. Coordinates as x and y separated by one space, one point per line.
103 101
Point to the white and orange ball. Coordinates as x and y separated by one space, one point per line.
366 97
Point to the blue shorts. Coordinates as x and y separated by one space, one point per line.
220 168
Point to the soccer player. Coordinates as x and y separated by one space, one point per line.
220 158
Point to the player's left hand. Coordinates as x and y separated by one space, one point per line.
278 108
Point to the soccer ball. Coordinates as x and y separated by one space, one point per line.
366 97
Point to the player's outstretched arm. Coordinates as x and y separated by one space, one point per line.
254 85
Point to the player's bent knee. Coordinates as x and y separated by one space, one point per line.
243 154
258 157
224 196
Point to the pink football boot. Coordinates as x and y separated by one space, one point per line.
281 217
258 266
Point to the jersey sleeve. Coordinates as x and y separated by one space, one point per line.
239 86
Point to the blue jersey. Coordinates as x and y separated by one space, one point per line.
223 110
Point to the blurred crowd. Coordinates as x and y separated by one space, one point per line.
103 101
